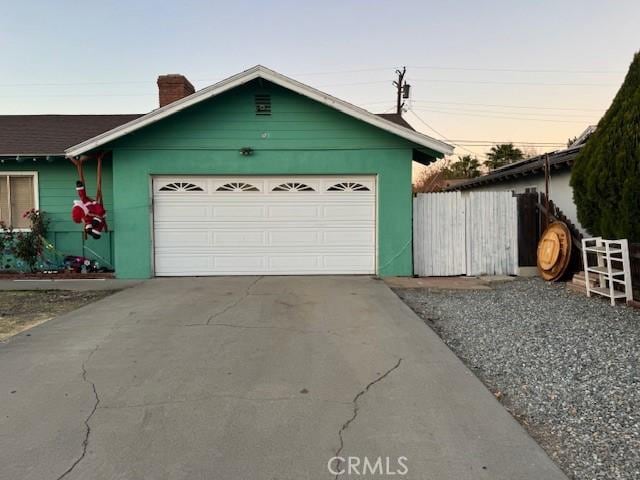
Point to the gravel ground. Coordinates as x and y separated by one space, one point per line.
566 366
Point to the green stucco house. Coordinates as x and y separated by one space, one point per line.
257 174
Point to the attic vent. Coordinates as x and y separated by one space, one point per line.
263 104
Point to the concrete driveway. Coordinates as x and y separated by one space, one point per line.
250 378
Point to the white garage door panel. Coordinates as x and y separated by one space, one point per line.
304 263
230 263
190 238
348 212
223 226
288 212
290 237
354 262
357 238
244 238
184 213
239 212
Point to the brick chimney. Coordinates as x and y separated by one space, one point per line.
173 87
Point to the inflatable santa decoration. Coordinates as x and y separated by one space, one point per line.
86 210
89 212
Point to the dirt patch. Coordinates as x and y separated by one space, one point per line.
23 309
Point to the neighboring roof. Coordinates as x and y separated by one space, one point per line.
530 166
52 134
582 138
397 119
273 77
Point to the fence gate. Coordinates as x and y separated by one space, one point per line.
465 233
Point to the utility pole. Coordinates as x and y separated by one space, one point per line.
402 89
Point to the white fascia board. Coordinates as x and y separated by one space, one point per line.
271 76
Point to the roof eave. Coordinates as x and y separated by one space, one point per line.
274 77
60 154
489 179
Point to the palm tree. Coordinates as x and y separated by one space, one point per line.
503 154
465 167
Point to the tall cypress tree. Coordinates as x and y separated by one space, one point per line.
606 174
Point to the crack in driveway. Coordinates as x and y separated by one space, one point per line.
85 441
356 410
246 293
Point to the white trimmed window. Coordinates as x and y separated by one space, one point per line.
18 193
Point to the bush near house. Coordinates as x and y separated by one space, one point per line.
27 246
606 174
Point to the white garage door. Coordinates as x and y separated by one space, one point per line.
264 225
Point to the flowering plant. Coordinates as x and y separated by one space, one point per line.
29 245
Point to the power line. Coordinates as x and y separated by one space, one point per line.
357 70
532 107
505 117
83 95
470 69
442 136
517 70
335 72
491 82
507 112
476 82
373 82
65 84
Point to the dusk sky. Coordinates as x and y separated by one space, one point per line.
480 71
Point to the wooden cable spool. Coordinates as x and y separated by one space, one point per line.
554 251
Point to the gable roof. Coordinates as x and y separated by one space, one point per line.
397 119
51 134
274 77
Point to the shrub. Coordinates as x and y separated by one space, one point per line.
28 246
6 245
606 174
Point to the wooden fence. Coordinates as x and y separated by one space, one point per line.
634 257
465 233
529 228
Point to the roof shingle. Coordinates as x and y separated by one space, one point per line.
52 134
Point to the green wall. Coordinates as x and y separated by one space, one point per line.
132 208
56 192
301 137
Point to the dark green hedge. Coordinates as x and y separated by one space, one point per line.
606 174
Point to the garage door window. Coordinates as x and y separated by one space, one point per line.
17 195
348 187
293 187
181 187
237 187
